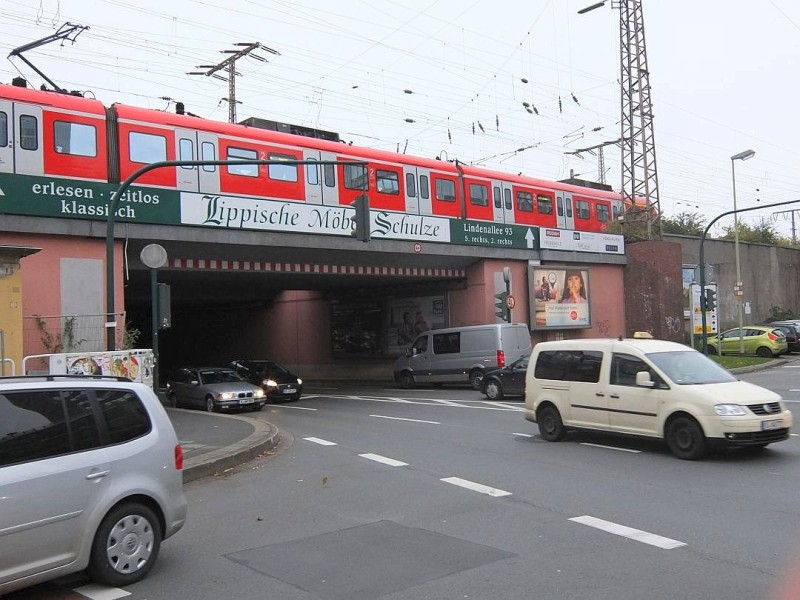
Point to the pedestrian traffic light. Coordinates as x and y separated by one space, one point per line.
500 308
361 229
711 299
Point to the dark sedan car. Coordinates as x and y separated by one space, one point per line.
508 381
278 382
213 388
792 332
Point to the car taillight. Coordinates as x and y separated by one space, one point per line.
501 359
772 336
178 458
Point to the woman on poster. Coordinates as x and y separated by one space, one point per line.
574 288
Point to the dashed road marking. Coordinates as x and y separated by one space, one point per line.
404 419
384 459
528 435
629 532
611 447
290 406
476 487
320 441
101 592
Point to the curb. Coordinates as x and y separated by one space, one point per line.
264 438
777 362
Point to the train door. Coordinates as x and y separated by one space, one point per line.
186 149
208 175
23 152
565 216
502 202
6 138
320 181
418 191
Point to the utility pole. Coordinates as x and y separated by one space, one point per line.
639 173
794 230
229 64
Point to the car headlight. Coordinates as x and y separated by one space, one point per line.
299 381
729 410
271 383
259 393
226 395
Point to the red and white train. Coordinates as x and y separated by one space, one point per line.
61 135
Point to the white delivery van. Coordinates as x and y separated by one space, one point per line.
649 388
461 354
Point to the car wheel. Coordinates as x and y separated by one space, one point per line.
476 379
711 350
493 390
407 380
256 407
210 406
764 352
551 427
125 546
685 439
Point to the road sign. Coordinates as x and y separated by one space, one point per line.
510 301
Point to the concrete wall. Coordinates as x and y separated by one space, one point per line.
770 277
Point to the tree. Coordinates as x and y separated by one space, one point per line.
685 223
760 233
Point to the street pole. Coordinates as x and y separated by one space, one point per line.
747 154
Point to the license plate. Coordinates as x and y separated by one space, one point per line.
246 401
773 424
289 391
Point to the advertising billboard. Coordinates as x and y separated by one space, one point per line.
560 298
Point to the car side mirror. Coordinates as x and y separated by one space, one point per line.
194 382
409 352
643 379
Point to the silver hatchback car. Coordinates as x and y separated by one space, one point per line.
90 479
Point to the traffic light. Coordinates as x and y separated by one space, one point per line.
361 220
500 308
711 299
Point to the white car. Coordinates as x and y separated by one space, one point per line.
90 479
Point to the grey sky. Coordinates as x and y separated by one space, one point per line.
721 75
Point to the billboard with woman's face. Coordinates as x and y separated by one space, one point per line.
560 298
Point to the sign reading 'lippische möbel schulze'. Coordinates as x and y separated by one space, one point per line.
69 199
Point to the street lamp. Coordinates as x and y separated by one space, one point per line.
746 155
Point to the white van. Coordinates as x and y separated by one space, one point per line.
649 388
461 354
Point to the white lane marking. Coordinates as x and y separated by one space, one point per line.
403 419
629 532
383 459
523 434
101 592
476 487
611 447
503 406
320 441
290 406
794 434
791 367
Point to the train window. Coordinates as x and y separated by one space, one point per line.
355 177
411 185
3 129
568 203
560 206
507 198
424 190
281 172
186 152
544 204
478 194
387 182
498 200
602 212
209 153
312 172
28 132
524 202
75 139
615 212
239 154
445 190
146 147
582 209
329 173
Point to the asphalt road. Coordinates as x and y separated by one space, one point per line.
409 494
